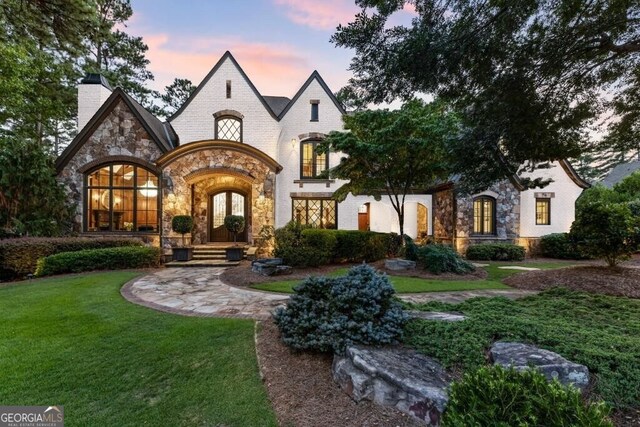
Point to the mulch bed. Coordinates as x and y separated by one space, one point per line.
303 393
619 281
242 275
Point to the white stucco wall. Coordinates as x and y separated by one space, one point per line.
565 193
196 121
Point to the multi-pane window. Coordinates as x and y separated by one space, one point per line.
484 215
312 164
320 213
229 129
122 197
543 211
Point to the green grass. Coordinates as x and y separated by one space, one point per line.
599 331
74 341
404 284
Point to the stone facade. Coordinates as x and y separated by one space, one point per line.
191 179
443 212
119 136
507 215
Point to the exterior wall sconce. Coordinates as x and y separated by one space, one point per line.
293 143
261 196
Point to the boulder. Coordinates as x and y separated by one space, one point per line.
396 377
397 264
270 267
442 316
550 364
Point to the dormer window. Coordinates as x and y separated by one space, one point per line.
315 113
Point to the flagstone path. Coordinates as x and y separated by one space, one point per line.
197 291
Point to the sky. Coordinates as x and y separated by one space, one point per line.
278 43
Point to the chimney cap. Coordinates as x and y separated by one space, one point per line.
95 79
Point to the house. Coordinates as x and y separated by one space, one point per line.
231 150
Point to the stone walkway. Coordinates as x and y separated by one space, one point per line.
200 292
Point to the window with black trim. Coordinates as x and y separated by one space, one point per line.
122 197
543 211
229 128
320 213
312 164
315 113
228 89
484 215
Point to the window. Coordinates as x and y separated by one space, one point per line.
543 211
229 128
312 164
314 110
320 213
228 89
484 215
122 197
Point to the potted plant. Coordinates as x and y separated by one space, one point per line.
182 224
234 224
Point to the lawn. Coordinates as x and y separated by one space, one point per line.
599 331
74 341
404 284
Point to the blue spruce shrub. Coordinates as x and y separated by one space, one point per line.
330 314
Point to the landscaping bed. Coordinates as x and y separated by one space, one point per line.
620 281
303 392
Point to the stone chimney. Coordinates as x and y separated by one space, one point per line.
93 91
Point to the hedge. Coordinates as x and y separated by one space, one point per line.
18 257
496 252
559 245
99 259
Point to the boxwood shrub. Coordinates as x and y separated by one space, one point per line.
494 396
440 259
18 257
496 252
329 314
559 245
99 259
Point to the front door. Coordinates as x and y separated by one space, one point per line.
227 203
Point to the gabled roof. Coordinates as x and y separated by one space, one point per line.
619 173
277 106
227 55
314 76
571 172
160 133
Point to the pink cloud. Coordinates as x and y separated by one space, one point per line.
274 68
325 14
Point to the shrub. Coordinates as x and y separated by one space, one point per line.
329 314
410 249
182 224
320 243
357 246
99 259
606 230
18 257
394 244
234 224
442 259
496 252
560 246
493 396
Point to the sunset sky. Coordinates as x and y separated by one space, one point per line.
277 42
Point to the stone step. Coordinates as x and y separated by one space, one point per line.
216 257
201 263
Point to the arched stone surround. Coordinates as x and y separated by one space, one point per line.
195 171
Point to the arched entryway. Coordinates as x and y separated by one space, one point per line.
222 203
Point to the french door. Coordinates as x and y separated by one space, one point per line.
222 204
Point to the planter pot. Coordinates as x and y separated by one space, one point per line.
234 253
182 254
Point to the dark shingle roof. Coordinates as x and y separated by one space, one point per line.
277 103
96 79
156 127
619 173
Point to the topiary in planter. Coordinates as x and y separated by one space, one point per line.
182 224
234 224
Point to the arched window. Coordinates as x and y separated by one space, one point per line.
121 197
229 128
484 215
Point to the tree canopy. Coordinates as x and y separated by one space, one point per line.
393 153
528 78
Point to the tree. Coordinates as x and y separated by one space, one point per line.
32 202
528 78
175 95
117 55
393 153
